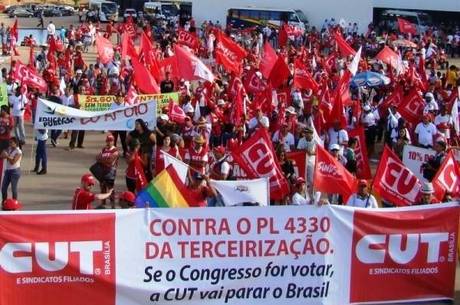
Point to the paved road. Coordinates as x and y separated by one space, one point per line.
54 191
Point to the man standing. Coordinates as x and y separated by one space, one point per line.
18 103
83 197
41 21
51 28
362 198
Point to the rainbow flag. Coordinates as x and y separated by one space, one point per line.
165 191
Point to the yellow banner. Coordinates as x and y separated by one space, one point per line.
105 102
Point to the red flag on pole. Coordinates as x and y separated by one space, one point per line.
394 182
145 82
412 106
141 180
188 39
127 46
344 47
191 67
280 72
362 160
229 53
268 61
447 178
104 49
257 158
176 113
331 176
303 78
14 30
406 27
28 77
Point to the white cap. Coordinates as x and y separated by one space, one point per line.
259 74
290 110
79 71
220 102
430 95
427 188
367 108
164 117
334 147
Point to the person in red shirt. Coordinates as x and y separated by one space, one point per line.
108 160
83 197
197 155
6 126
166 148
199 192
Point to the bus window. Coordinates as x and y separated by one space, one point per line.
244 14
233 13
254 15
265 15
293 17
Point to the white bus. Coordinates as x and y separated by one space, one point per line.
107 10
389 19
243 17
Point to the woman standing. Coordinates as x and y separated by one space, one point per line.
108 162
134 161
6 126
13 156
147 141
166 148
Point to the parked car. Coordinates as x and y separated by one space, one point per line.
130 12
10 8
21 12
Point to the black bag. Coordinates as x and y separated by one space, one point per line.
102 173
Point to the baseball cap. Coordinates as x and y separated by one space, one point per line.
362 182
219 149
334 147
128 197
88 179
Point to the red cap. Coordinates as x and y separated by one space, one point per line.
299 181
362 182
11 205
88 179
109 138
219 149
128 197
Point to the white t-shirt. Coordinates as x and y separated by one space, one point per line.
425 133
51 29
12 153
263 121
447 119
18 103
298 199
359 202
288 140
68 100
309 146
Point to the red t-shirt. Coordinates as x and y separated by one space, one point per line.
6 125
160 161
82 199
198 197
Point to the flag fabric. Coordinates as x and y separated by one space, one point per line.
283 36
131 97
354 65
229 54
169 64
331 176
303 78
341 97
191 67
14 30
32 59
127 46
147 56
237 192
238 107
166 190
412 106
344 47
188 39
406 27
362 160
394 99
176 113
180 167
145 82
27 76
268 60
257 158
279 73
394 182
391 58
141 179
104 49
447 178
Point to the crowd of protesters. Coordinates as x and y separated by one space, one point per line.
293 118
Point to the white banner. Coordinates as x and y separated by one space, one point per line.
281 255
51 115
238 192
414 157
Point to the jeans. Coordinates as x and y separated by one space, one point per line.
19 131
40 155
122 135
55 134
11 176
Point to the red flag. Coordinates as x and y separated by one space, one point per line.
280 72
147 52
253 83
143 79
104 49
127 46
132 97
344 47
188 39
28 77
303 78
141 180
14 30
331 176
447 178
407 27
299 158
169 64
412 107
229 53
268 61
341 95
394 99
283 36
257 158
32 59
129 27
190 66
329 63
176 113
362 160
325 101
394 182
391 58
238 110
